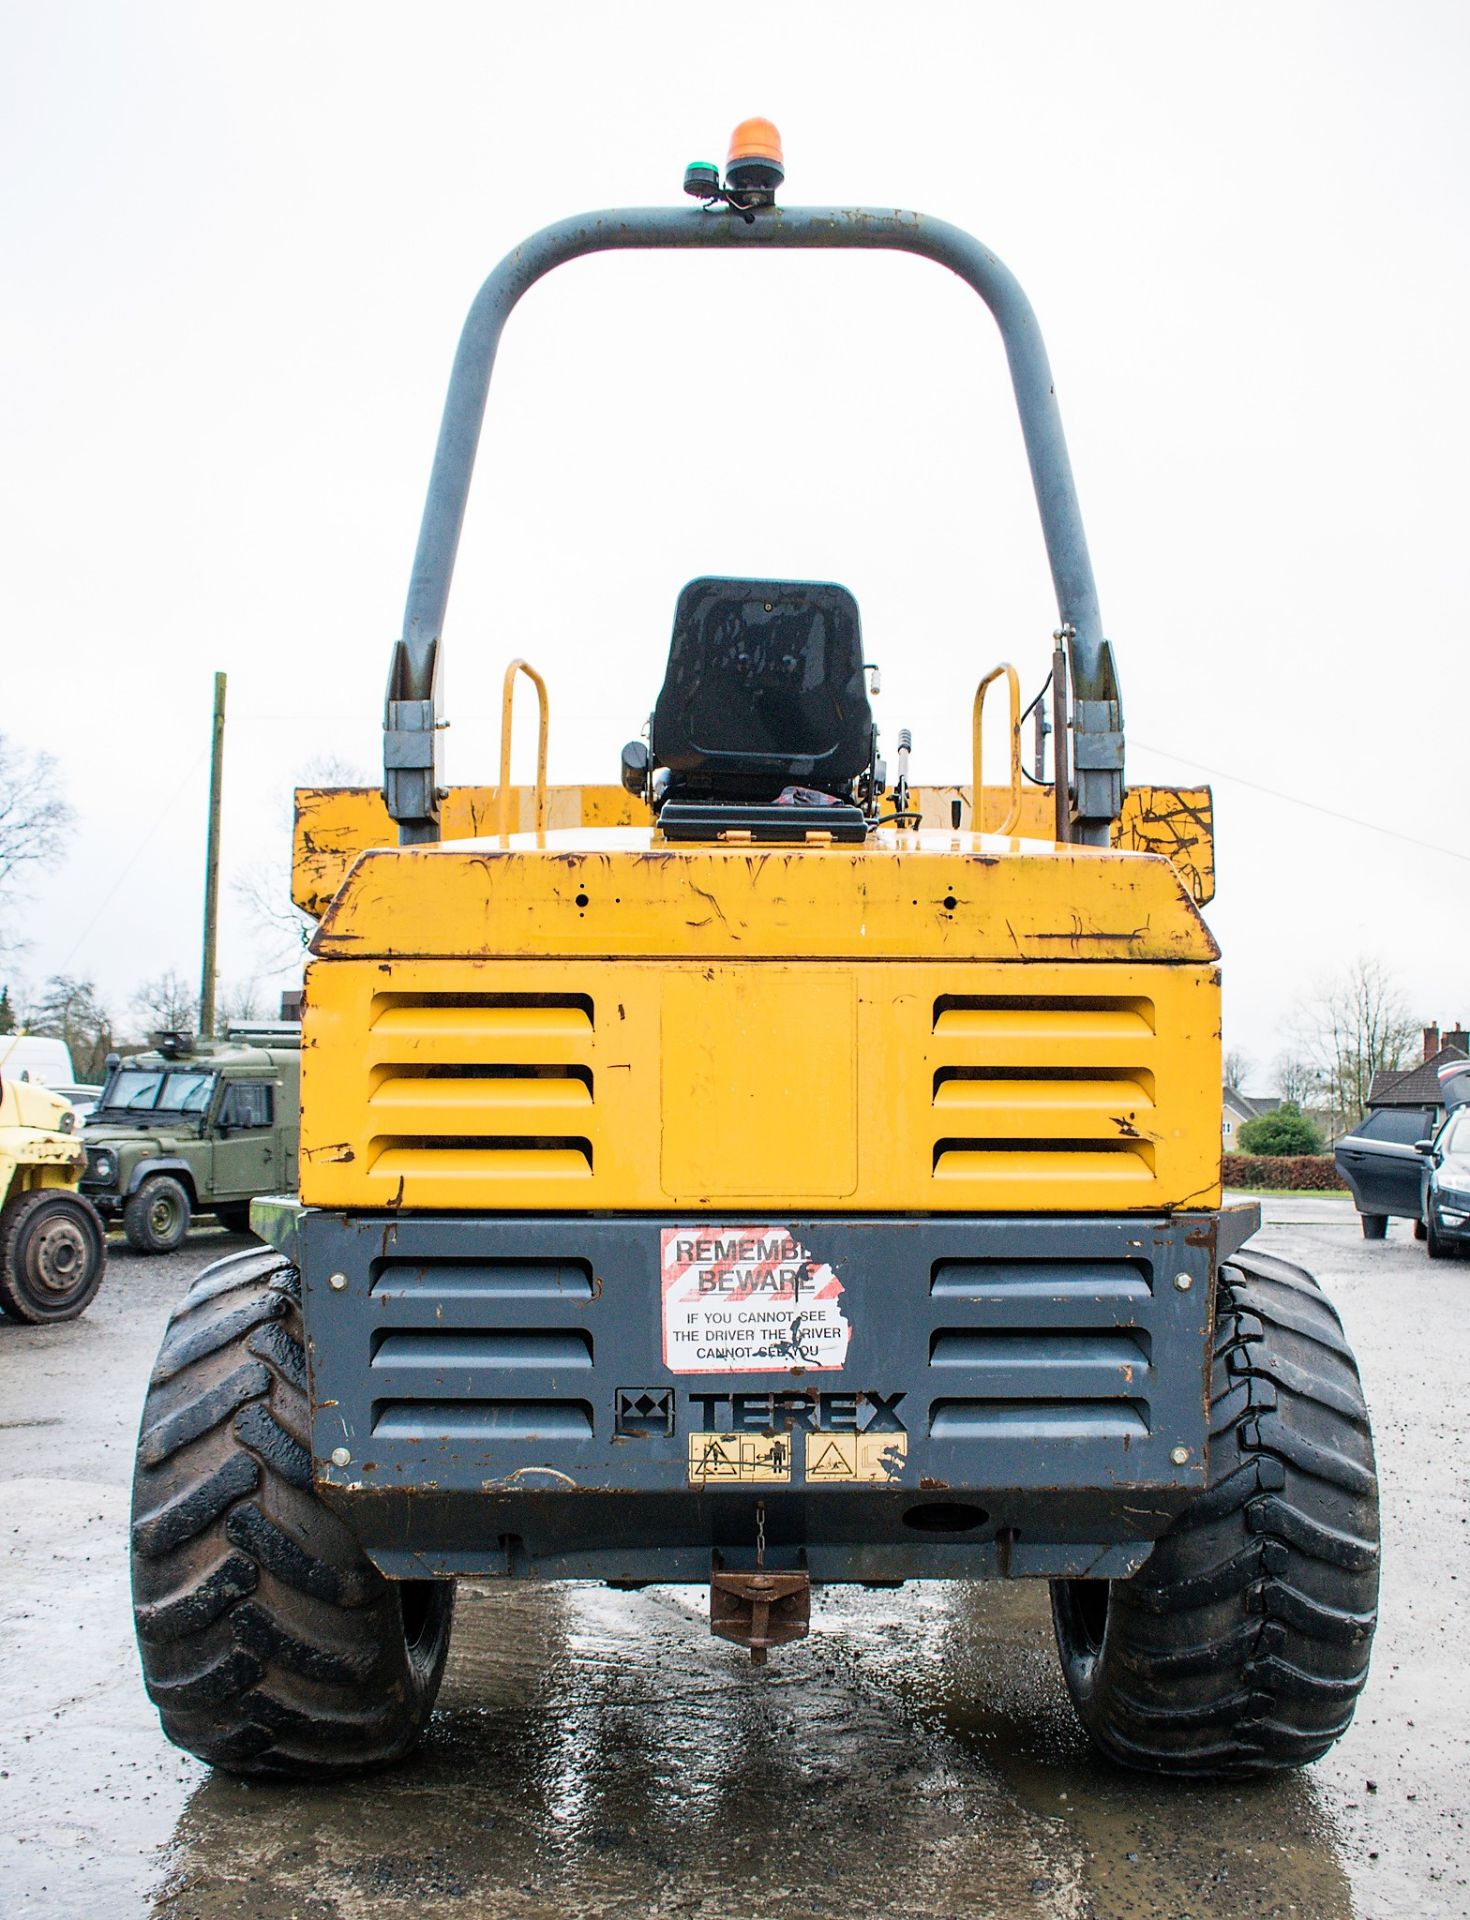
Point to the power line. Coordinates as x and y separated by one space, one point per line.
1312 806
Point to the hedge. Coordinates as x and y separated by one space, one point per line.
1307 1172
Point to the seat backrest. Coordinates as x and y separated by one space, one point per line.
764 689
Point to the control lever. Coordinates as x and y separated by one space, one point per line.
901 784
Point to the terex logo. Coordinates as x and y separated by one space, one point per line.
812 1412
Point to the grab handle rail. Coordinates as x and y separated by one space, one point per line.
977 805
507 701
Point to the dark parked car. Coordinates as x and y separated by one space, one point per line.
1380 1162
1446 1175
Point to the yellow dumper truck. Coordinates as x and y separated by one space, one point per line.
766 1171
53 1249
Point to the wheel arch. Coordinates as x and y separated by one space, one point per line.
180 1170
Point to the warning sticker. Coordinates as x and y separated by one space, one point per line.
739 1456
749 1300
855 1456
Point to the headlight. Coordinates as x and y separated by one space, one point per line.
102 1165
68 1121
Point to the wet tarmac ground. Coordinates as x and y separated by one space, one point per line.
597 1753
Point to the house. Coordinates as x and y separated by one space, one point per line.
1434 1084
1239 1107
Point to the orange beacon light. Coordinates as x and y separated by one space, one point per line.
755 163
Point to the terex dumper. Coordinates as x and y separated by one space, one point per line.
764 1173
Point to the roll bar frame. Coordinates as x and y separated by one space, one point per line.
411 720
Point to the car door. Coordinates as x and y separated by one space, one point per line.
245 1141
1379 1162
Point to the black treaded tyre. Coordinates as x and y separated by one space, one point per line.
1243 1643
270 1643
1375 1226
156 1218
53 1254
1435 1245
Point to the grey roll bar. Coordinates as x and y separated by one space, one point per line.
411 719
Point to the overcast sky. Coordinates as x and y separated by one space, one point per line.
238 245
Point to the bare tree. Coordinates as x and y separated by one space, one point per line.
1349 1028
170 1003
69 1009
265 888
239 1003
265 891
1296 1079
167 1002
35 821
1236 1068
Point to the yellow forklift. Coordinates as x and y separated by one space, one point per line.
767 1171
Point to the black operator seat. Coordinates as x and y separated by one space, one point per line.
763 723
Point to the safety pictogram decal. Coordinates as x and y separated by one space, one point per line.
835 1458
715 1457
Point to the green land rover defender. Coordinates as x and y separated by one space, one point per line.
194 1126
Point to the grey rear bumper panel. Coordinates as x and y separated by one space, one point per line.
489 1395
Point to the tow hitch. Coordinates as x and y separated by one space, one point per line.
759 1610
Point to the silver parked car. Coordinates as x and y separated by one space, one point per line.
1446 1177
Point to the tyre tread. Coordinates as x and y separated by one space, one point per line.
1243 1643
270 1644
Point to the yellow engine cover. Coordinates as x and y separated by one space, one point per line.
614 1024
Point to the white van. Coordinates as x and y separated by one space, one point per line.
26 1056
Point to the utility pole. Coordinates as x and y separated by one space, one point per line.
211 863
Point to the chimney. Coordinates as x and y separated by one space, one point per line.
1431 1041
1457 1037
